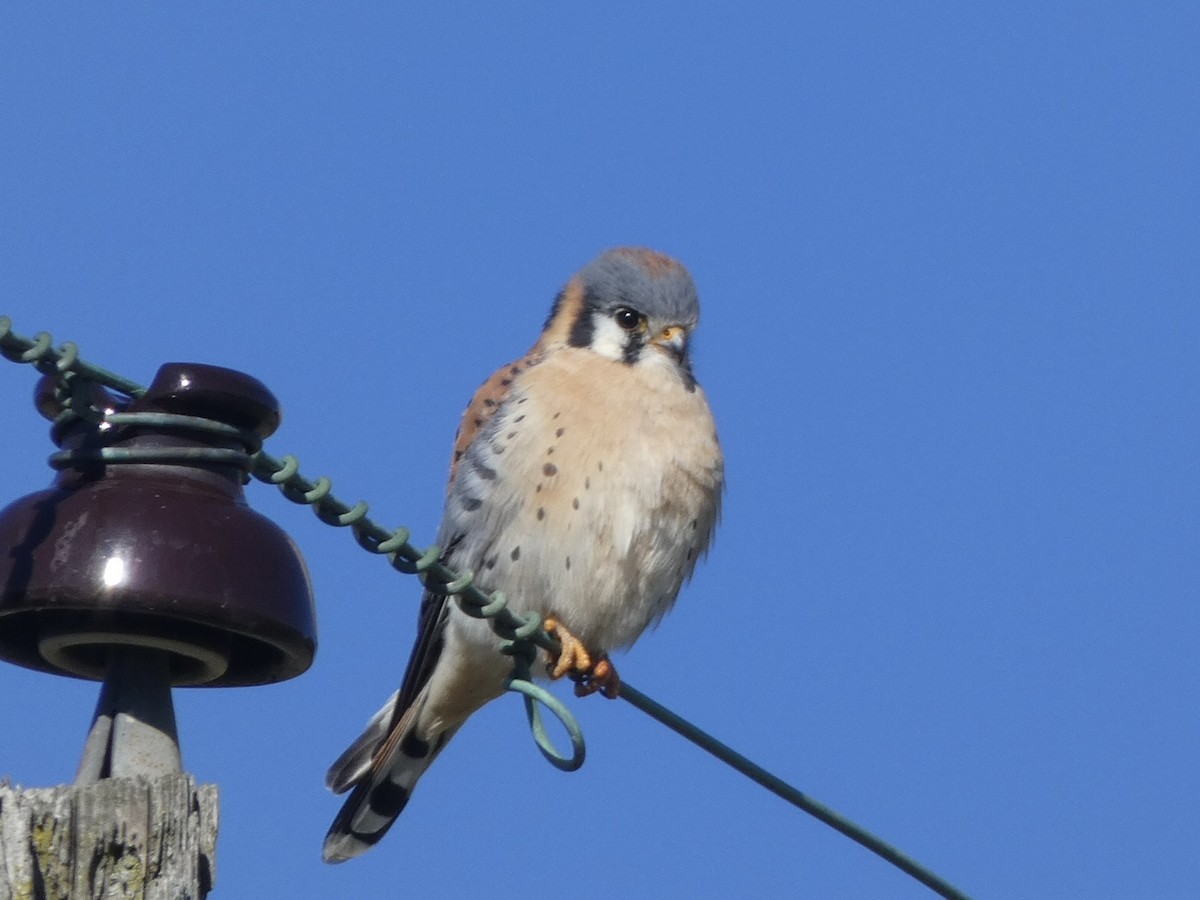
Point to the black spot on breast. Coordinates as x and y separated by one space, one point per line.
510 435
485 472
549 469
489 402
559 433
691 552
470 504
520 418
516 554
557 414
599 466
491 561
541 513
575 503
497 448
550 451
478 421
587 482
694 524
506 381
568 564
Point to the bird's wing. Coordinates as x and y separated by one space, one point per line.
488 399
351 767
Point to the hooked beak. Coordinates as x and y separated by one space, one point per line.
672 340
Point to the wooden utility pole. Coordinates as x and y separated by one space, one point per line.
127 838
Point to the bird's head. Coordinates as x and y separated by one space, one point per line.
631 305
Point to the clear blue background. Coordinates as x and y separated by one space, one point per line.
948 261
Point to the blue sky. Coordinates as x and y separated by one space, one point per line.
947 256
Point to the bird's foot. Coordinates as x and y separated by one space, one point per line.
601 677
574 659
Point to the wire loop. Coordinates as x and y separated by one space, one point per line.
41 344
422 562
398 539
197 426
70 353
535 697
318 492
498 603
286 472
459 584
354 514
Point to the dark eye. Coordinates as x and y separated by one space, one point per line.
628 319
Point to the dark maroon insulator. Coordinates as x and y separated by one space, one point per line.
158 552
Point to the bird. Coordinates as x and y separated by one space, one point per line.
586 482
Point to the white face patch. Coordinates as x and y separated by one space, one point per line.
608 338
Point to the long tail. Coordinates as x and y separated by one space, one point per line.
383 767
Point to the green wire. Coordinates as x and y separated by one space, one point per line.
781 788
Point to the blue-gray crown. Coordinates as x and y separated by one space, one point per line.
646 280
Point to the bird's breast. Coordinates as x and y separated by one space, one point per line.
591 494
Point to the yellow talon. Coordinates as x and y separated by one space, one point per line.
574 659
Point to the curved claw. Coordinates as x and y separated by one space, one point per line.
574 659
603 677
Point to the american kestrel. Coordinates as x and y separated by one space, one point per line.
586 483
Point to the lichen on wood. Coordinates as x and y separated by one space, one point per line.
115 839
